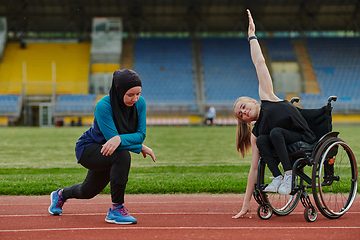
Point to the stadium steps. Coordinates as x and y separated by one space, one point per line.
198 75
311 84
265 52
127 55
104 67
336 65
289 96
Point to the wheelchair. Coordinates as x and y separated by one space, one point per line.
332 180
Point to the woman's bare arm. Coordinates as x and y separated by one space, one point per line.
252 178
266 90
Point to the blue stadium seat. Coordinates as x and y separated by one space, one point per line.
9 104
75 103
280 50
165 67
336 64
228 70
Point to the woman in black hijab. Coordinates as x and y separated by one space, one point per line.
119 127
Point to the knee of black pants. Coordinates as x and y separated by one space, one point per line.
262 142
276 135
80 191
86 194
120 168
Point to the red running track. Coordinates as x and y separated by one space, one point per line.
198 216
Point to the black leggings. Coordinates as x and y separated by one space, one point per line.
277 140
102 170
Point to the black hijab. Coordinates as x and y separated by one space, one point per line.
125 118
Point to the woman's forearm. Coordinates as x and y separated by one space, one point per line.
256 53
250 187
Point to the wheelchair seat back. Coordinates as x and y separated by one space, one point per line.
319 121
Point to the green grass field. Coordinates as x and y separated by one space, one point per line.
36 161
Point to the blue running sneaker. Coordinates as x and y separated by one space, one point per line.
120 216
57 203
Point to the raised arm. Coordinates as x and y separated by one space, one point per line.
266 91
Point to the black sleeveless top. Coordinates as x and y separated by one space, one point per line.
282 114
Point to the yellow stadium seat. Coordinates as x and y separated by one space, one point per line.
68 63
4 121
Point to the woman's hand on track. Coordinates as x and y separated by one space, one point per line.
246 208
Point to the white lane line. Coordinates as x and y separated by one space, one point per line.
135 213
132 203
129 202
174 228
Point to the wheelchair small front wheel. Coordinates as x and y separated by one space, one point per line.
264 212
310 213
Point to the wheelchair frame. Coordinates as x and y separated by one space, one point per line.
319 156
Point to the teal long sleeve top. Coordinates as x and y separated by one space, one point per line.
103 128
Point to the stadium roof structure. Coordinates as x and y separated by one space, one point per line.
25 16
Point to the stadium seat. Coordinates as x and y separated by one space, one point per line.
71 104
228 70
165 66
335 62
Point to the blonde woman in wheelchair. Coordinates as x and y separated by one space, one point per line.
277 124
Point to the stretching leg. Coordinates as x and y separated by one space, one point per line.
93 184
102 169
280 138
266 147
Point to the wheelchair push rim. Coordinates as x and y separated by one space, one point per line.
335 178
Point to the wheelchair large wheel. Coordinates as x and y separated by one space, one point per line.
281 205
334 178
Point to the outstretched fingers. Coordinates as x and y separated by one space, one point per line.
246 209
250 17
251 30
148 151
241 214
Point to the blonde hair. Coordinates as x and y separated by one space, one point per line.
243 132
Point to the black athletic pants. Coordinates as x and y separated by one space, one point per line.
277 140
102 170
